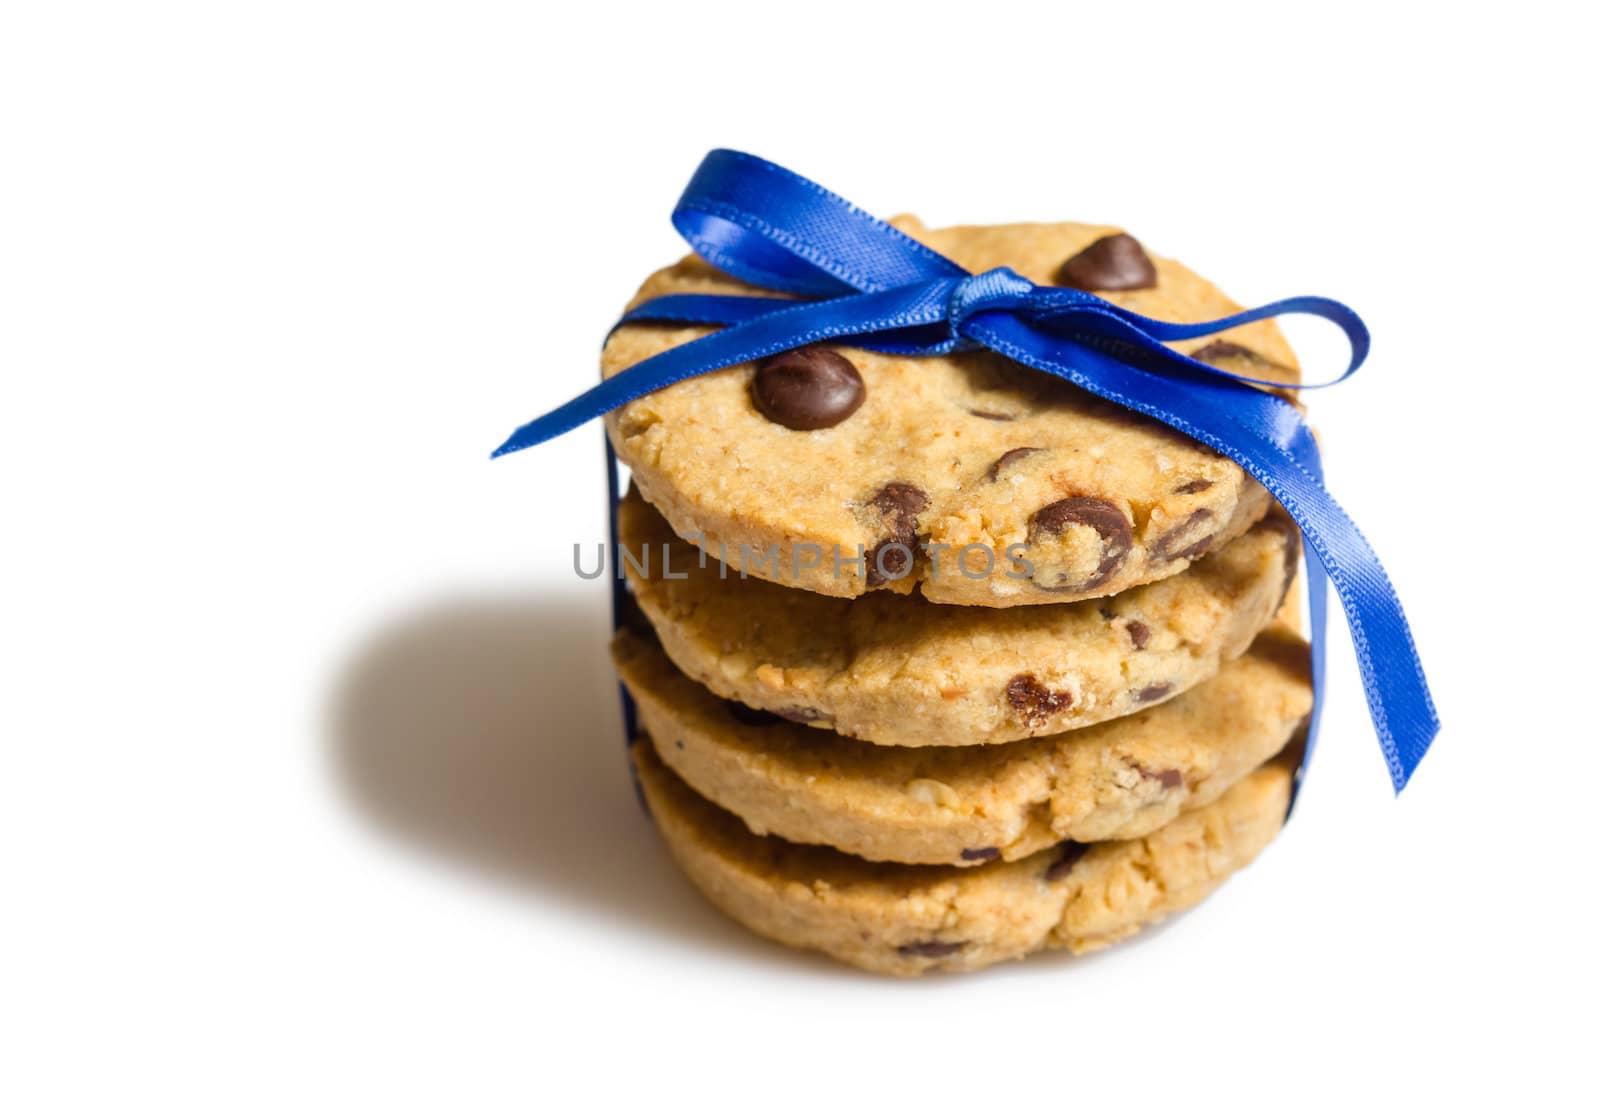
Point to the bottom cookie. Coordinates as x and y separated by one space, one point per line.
909 919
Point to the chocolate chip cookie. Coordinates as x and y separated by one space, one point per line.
909 919
843 471
965 806
899 670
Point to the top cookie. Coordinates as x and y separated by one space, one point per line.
791 469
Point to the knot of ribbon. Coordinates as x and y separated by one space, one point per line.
848 276
999 289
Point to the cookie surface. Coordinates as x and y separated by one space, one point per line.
852 451
964 806
909 919
899 670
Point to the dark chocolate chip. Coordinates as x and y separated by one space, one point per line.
1033 701
1151 692
1100 515
750 716
680 744
897 506
992 415
985 853
900 503
932 948
812 388
1222 349
1116 533
1008 458
1071 852
1194 486
1115 262
1139 633
889 561
1106 612
1189 541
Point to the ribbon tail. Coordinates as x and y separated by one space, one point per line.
769 226
1267 437
771 332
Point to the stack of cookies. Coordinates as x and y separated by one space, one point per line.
941 661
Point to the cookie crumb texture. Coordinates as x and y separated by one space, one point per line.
967 805
965 449
899 670
909 919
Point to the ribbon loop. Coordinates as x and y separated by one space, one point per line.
771 227
872 286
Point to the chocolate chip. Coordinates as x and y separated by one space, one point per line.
812 388
1194 486
1189 541
1139 633
1033 701
889 561
1071 852
1116 534
1100 515
932 948
900 503
1107 613
991 415
1222 349
985 853
750 716
680 744
1008 458
1151 692
1115 262
897 506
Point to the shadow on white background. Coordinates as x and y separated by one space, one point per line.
486 731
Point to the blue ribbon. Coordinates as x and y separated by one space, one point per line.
850 277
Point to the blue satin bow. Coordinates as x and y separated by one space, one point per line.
861 281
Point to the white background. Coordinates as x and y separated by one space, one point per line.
313 794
